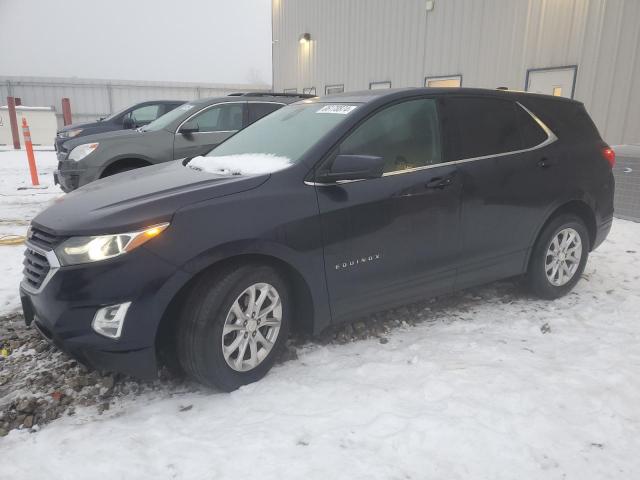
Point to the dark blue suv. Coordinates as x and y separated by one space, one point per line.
321 212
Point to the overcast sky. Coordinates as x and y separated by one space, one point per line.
213 41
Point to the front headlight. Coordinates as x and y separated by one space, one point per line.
101 247
82 151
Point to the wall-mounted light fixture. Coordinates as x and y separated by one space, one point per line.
305 38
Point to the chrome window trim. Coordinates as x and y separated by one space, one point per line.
203 110
54 266
551 138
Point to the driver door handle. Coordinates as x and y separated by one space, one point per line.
440 182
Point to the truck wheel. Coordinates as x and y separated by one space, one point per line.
233 326
559 257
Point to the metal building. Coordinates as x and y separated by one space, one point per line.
92 99
585 49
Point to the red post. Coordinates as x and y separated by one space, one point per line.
13 119
29 147
66 111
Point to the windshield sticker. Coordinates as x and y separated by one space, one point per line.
186 107
339 109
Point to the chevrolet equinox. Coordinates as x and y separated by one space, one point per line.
324 211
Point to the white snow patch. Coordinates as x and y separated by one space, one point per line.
19 203
245 164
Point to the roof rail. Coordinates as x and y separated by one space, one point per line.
271 94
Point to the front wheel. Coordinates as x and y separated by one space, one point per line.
233 326
559 257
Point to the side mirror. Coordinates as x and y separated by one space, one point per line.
352 167
189 127
128 122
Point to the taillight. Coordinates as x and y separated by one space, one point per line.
609 155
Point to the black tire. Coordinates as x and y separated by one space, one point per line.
201 322
536 278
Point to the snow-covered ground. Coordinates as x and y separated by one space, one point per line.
488 384
19 203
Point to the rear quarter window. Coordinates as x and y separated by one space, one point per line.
568 120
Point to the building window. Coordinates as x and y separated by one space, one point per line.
443 81
309 90
330 89
557 81
379 85
290 90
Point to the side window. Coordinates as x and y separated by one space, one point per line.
532 133
483 126
406 135
223 117
259 110
144 115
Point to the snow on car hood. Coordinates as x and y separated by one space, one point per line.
244 164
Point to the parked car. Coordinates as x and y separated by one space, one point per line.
319 213
187 131
627 175
134 116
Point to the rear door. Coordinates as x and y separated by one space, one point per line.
509 178
391 239
215 123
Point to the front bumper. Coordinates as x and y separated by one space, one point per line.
64 309
71 175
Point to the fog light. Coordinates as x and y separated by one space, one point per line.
108 321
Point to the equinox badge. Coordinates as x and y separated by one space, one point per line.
358 261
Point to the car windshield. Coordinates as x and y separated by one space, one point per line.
167 119
275 141
114 115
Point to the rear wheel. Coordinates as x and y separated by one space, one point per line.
233 326
559 257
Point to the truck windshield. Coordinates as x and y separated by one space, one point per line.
287 133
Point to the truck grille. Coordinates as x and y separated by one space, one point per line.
36 268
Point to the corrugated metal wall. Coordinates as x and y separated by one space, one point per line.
92 99
490 42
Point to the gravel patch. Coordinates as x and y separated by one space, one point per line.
39 383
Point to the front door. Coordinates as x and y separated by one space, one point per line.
392 239
215 124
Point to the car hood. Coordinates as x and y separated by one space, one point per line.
138 198
104 137
73 126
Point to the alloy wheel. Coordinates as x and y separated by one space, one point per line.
251 327
563 257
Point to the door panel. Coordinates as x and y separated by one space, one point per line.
389 240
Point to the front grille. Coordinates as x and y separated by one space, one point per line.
43 239
36 268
